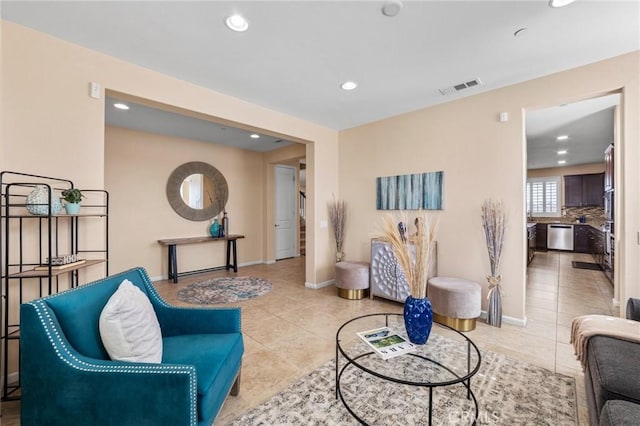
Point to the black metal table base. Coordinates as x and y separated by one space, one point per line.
462 378
172 261
340 371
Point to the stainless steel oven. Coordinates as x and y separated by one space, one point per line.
609 254
609 206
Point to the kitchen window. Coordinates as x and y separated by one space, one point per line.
543 196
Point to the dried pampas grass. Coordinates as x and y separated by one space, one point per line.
494 223
338 221
415 252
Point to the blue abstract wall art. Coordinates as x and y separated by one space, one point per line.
411 192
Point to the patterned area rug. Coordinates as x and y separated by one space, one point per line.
224 290
509 392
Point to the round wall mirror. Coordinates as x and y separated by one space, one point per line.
197 191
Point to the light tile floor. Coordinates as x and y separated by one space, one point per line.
291 331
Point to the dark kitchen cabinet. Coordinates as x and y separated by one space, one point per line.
581 238
531 242
573 191
541 236
584 190
593 190
596 245
608 169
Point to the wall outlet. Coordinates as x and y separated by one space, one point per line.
324 224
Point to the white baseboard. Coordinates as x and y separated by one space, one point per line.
240 265
160 278
253 262
518 322
319 285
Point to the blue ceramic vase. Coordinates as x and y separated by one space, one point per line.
72 208
418 319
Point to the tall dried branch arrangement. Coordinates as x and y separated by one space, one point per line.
404 244
494 223
338 221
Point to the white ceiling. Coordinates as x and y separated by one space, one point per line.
156 120
589 125
296 53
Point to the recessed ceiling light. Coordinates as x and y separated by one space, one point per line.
562 138
560 3
562 152
120 105
237 23
562 162
255 136
349 85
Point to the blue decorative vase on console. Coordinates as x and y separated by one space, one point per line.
214 229
418 319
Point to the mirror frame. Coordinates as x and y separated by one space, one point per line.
175 199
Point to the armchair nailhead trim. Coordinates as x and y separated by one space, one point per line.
69 357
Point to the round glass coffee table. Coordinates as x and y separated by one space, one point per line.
404 385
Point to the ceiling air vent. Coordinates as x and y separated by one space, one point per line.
459 87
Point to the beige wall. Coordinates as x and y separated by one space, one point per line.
483 158
137 166
48 111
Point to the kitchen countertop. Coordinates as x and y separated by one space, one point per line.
594 224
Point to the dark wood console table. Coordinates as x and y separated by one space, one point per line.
171 243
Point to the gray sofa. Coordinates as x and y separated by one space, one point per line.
612 377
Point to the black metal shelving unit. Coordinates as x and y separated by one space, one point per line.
29 241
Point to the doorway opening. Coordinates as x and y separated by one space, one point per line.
285 211
570 180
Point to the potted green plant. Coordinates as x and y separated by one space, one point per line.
72 198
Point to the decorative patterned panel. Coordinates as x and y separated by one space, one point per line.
387 278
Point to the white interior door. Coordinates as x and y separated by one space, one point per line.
285 204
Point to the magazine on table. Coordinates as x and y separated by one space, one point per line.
386 342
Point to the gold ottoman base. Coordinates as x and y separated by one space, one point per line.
347 293
460 324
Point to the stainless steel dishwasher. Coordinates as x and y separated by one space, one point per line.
560 236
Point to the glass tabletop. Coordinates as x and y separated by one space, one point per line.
447 358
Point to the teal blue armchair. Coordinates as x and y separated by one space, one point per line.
67 377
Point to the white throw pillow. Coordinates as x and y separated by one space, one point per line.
129 328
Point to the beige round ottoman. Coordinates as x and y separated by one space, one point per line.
455 302
352 279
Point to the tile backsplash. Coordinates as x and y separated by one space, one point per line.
593 215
